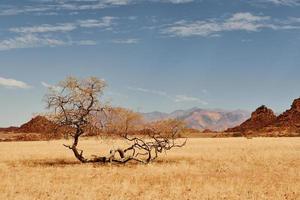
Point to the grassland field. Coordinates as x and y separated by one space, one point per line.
206 168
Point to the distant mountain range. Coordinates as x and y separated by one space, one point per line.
197 118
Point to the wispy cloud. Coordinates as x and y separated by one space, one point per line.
38 35
237 22
126 41
282 2
12 83
97 23
177 98
52 87
44 28
106 21
174 1
156 92
118 2
52 6
29 41
185 98
26 9
35 41
46 85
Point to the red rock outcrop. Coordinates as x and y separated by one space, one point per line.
38 124
261 118
263 122
287 121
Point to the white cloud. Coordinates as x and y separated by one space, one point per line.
35 36
198 28
46 85
283 2
185 98
27 9
45 28
246 17
76 5
55 6
106 21
126 41
12 83
174 1
29 41
212 27
156 92
176 98
34 41
51 87
118 2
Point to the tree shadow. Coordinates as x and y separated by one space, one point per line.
69 163
49 163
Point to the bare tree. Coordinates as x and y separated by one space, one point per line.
76 104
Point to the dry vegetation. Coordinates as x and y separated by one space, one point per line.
216 168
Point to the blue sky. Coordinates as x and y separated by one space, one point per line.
154 54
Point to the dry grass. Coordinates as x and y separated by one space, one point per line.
216 168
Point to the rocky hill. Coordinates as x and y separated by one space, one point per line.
201 119
38 128
259 119
264 122
289 121
37 124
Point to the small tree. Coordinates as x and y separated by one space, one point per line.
76 104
